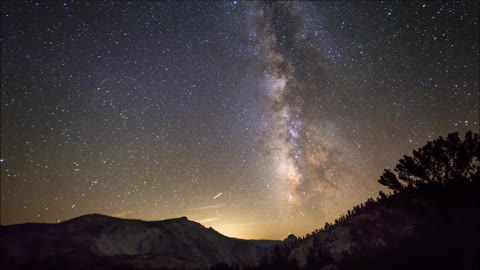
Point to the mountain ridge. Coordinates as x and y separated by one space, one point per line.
173 243
393 228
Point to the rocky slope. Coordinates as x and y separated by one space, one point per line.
433 228
104 242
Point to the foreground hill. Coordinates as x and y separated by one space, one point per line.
103 242
428 228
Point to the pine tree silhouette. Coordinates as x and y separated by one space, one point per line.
439 162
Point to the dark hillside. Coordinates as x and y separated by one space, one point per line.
103 242
429 228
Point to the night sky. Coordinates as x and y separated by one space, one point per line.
258 119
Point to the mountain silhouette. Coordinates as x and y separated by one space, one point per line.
433 227
105 242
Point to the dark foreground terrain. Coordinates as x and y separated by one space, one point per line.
103 242
428 228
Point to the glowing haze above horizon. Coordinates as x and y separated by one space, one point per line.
259 119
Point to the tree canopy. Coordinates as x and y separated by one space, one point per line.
443 161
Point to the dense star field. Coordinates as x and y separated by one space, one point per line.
259 119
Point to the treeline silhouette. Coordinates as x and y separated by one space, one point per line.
438 163
447 171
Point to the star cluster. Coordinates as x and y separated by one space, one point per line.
256 118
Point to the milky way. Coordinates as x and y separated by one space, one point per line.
258 119
284 116
310 165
